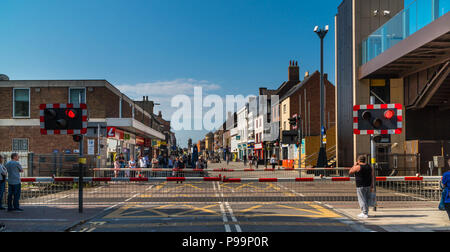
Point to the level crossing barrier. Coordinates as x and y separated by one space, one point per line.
241 172
147 190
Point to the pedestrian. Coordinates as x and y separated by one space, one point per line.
14 169
273 161
228 158
446 184
364 186
155 161
116 167
3 174
142 165
250 161
256 161
131 165
171 162
122 164
179 169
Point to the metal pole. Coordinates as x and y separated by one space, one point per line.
373 159
321 94
299 128
80 177
322 157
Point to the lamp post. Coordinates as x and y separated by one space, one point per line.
322 160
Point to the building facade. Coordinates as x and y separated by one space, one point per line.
398 52
107 107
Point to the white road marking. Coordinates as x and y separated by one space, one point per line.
222 209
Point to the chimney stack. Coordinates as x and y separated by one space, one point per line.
294 71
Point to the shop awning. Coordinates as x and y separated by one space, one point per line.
134 126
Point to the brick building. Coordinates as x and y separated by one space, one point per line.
304 100
107 107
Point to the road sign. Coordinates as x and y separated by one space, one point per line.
91 145
63 119
378 119
111 132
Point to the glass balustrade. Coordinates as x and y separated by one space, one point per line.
414 17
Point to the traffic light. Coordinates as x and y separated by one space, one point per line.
63 119
293 121
378 119
77 138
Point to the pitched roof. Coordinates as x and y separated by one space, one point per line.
297 87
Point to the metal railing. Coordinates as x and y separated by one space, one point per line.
110 191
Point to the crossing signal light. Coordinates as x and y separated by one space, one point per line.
63 119
389 114
71 113
378 119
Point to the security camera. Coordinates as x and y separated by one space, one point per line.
316 28
375 12
386 12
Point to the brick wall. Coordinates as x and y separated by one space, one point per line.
312 88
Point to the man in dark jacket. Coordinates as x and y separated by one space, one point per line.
364 187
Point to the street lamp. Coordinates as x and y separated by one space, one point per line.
322 160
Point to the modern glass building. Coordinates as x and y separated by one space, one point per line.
399 52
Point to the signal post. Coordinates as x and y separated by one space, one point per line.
375 120
67 119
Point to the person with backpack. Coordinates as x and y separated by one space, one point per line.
364 186
446 194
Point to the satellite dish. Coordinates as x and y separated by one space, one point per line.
4 77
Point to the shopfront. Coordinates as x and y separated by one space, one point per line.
259 150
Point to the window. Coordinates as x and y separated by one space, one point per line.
284 109
21 102
77 95
20 144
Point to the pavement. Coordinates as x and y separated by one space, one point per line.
133 212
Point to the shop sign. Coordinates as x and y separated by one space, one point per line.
111 132
148 142
126 136
258 146
121 134
140 140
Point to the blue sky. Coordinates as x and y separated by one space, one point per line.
228 47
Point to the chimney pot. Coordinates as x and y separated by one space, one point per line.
294 71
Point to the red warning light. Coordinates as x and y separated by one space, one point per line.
389 114
70 113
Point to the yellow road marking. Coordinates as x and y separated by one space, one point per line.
250 209
200 209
